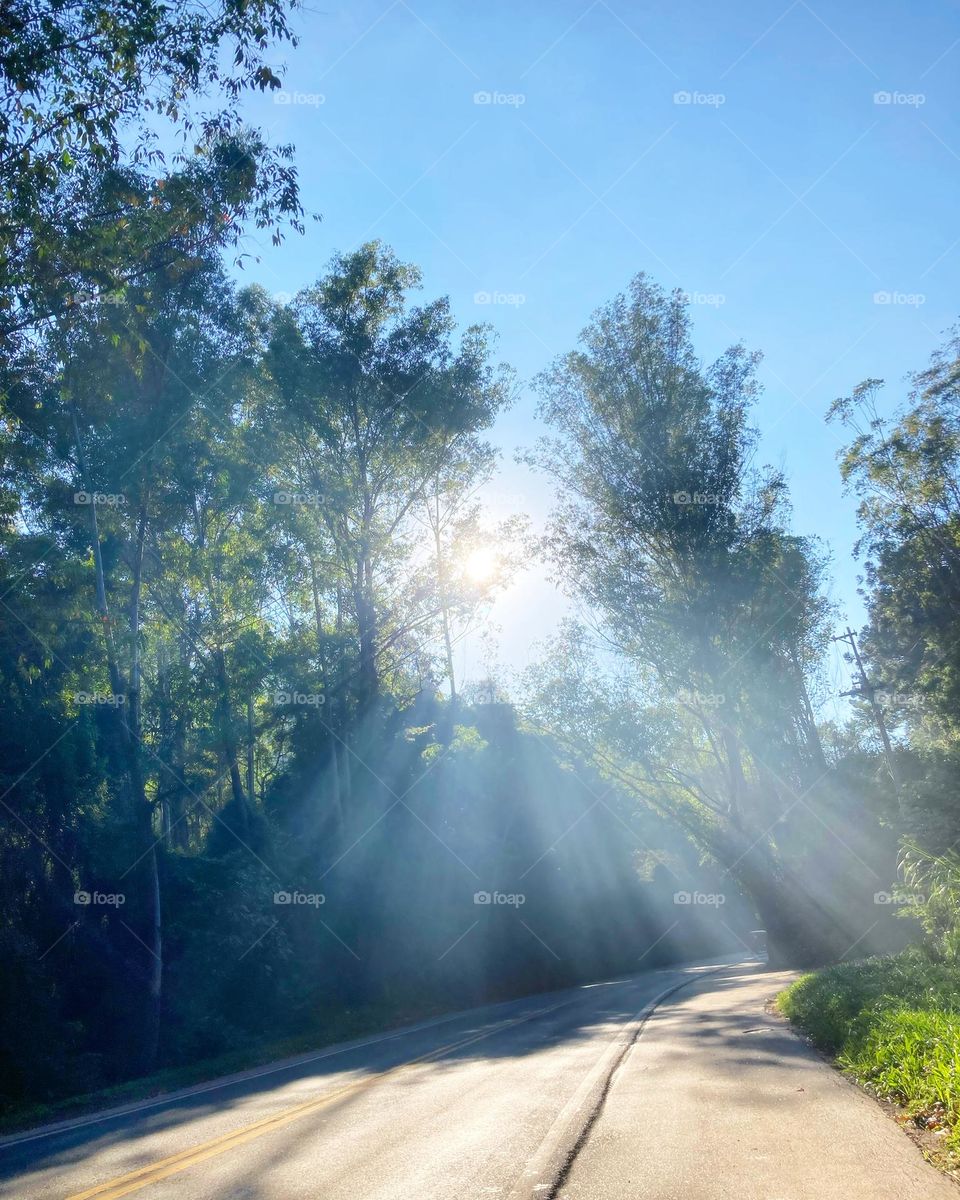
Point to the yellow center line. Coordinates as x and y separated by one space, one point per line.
123 1185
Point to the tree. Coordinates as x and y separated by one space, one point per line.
906 472
84 87
470 561
236 543
905 469
377 401
667 532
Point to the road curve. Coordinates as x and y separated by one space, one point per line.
506 1101
720 1100
467 1102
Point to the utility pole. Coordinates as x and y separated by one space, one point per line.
867 691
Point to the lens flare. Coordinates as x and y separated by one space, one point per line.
481 564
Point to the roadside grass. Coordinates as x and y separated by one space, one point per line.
893 1024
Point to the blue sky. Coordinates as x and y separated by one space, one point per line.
784 193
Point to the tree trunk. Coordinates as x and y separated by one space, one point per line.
129 740
251 764
155 984
335 793
367 631
444 609
145 835
225 728
180 819
801 930
809 720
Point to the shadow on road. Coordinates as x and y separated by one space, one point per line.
512 1030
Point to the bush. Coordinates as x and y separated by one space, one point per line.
937 876
894 1025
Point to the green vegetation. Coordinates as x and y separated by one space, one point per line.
894 1025
680 548
243 792
345 1026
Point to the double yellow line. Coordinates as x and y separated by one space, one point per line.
123 1185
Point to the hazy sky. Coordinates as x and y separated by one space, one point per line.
542 153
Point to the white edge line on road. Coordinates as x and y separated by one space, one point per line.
200 1089
111 1114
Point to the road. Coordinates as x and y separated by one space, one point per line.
655 1086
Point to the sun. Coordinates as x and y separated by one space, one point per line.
481 564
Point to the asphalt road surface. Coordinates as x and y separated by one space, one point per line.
673 1083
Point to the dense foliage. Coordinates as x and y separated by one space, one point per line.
894 1024
244 793
235 540
905 469
87 87
234 563
713 614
